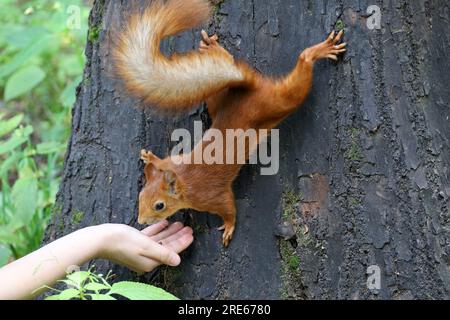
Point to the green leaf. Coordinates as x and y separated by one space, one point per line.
10 162
19 137
69 294
72 65
25 199
68 96
140 291
11 144
78 278
49 147
25 55
94 286
5 254
101 297
7 126
23 81
22 36
7 235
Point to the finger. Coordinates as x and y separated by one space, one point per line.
205 37
138 263
174 228
179 234
155 228
332 57
339 36
144 264
161 254
180 244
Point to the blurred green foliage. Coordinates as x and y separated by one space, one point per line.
41 63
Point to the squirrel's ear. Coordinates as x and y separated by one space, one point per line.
152 163
172 182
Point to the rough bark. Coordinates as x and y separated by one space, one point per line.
364 176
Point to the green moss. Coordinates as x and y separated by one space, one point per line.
294 262
96 28
87 81
354 202
305 240
200 229
169 277
77 217
94 34
290 204
354 153
290 261
340 25
57 216
216 8
354 132
290 271
57 210
216 5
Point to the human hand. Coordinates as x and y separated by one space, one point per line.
143 251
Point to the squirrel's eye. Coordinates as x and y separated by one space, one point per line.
159 206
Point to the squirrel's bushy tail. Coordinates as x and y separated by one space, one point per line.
179 82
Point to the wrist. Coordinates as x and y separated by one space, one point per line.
106 240
99 236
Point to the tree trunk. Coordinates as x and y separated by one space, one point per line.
364 178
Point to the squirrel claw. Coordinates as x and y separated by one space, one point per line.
227 235
147 156
210 43
328 49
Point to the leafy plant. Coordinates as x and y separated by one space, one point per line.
38 43
86 285
41 63
27 188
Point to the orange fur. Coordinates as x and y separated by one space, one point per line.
252 101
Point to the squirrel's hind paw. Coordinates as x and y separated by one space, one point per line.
227 234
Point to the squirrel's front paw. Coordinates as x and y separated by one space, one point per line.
329 48
147 156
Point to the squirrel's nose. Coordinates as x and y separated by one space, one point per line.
141 220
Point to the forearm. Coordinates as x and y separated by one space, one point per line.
295 87
21 279
300 80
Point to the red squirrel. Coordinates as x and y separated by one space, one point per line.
237 98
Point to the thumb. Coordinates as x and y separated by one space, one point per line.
162 254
